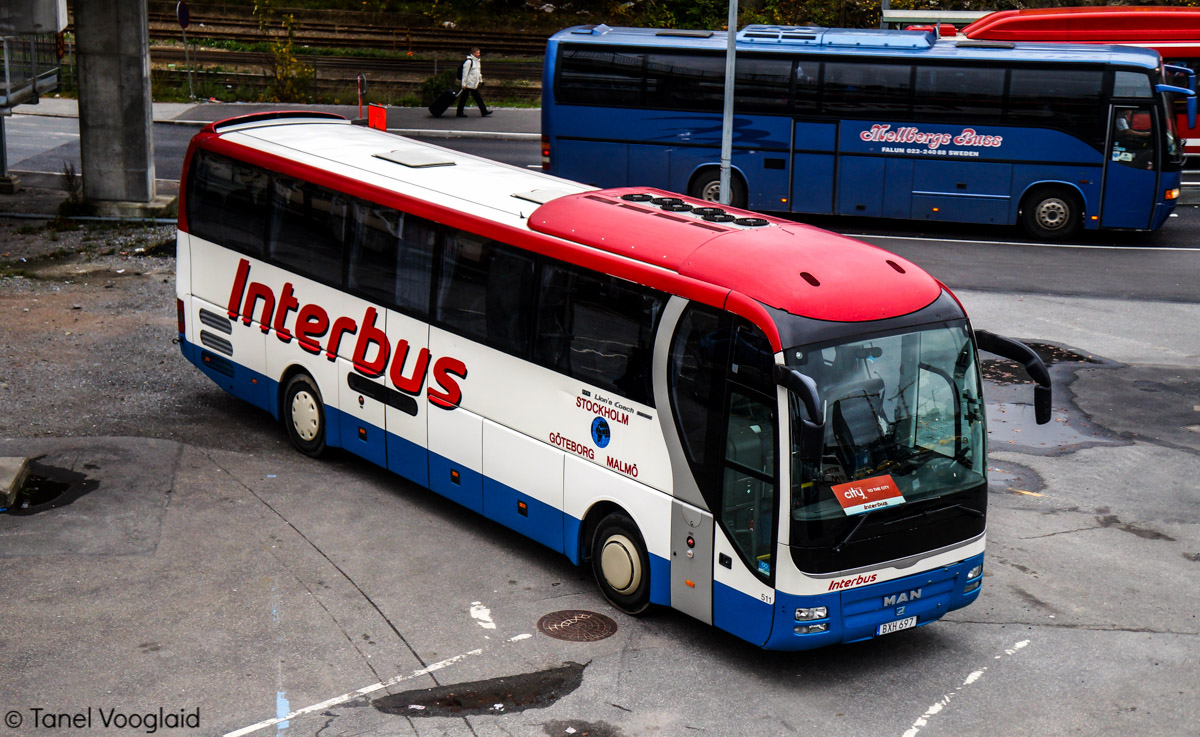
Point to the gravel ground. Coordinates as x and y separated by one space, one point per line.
87 329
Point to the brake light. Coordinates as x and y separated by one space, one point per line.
1171 194
545 153
179 316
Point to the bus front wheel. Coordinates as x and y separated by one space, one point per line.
304 415
621 564
1051 214
707 186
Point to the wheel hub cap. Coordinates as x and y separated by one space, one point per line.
305 416
620 564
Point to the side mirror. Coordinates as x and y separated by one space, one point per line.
812 427
1024 355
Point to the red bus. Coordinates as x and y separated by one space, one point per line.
1173 32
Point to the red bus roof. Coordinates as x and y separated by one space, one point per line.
1101 24
798 268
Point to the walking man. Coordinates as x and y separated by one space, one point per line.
472 76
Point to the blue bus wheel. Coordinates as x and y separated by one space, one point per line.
707 186
304 415
1052 213
621 564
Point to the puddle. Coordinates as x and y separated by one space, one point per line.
502 695
47 487
1007 373
1012 424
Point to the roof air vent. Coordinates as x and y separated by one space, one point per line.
677 207
667 201
722 218
810 278
702 211
895 266
416 159
637 197
751 222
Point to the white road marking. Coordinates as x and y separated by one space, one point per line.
352 695
482 615
1018 243
937 707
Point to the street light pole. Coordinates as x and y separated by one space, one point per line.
727 111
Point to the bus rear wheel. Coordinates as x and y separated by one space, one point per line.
304 415
1051 214
707 186
621 564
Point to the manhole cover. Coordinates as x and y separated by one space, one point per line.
577 626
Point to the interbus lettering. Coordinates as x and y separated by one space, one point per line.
371 349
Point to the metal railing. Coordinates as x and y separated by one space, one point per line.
29 66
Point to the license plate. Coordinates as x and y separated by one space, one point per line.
900 624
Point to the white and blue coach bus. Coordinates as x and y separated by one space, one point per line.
770 427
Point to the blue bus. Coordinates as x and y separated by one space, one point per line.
874 123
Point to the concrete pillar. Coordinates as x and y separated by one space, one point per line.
115 115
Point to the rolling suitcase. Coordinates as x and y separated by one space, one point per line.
442 102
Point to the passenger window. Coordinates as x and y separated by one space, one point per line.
598 329
308 228
227 203
959 91
857 90
391 257
596 77
1065 99
762 84
486 292
685 81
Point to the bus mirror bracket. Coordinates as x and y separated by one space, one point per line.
1034 366
1190 94
812 427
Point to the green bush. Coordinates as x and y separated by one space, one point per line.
437 84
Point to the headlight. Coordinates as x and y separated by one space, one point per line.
975 572
809 629
972 585
817 612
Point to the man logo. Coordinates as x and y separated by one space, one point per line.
895 599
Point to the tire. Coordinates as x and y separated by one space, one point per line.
707 186
1051 214
621 564
304 415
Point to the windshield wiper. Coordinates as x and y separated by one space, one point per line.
971 511
853 531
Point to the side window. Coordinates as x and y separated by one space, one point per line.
227 203
857 90
588 76
748 490
748 487
308 226
696 375
1131 84
967 92
1065 99
685 81
598 329
391 257
762 84
1133 137
486 292
807 94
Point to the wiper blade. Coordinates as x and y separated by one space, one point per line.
971 511
849 535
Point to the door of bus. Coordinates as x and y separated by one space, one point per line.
722 398
1131 168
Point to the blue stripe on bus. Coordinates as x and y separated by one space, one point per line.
539 521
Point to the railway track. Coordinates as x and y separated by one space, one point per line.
357 36
345 67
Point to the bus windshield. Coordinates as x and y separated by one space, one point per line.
903 413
